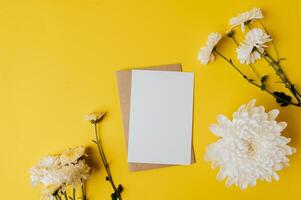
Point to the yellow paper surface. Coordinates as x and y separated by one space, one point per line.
58 61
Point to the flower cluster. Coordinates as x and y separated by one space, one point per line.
254 47
246 52
250 147
57 172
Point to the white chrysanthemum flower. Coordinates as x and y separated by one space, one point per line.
71 155
255 39
250 147
57 172
247 55
248 16
74 173
205 54
94 117
40 173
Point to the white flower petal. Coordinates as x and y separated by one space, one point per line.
214 128
273 114
251 104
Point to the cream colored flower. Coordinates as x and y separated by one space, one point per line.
247 55
250 147
59 171
245 17
255 41
71 155
94 117
257 38
205 54
41 173
75 173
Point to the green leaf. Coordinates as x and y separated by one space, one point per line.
264 78
281 59
114 196
120 188
282 98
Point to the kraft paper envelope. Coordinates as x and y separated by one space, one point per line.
124 78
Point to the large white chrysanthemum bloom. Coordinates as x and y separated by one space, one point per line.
250 147
248 16
205 54
255 40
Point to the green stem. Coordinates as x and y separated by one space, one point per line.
250 65
234 40
273 43
65 194
58 197
229 61
254 71
105 163
279 72
83 190
74 192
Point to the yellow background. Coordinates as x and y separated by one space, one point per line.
58 60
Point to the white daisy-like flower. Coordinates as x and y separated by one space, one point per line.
255 40
248 16
205 54
250 147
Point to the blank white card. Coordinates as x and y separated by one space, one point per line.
160 128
